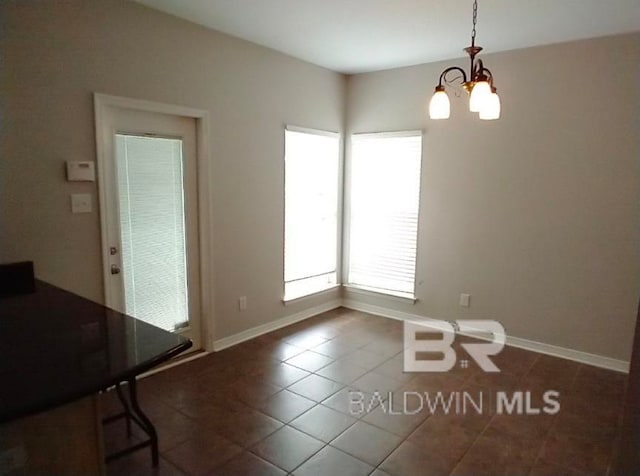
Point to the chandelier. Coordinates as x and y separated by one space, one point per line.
483 97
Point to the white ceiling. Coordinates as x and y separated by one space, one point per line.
353 36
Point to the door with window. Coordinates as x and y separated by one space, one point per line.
149 199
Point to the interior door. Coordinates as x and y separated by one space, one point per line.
151 197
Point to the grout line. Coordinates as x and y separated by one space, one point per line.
311 456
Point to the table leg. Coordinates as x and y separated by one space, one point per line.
125 405
134 413
148 426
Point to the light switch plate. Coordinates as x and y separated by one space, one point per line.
465 300
81 203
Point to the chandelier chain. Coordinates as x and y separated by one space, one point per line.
475 19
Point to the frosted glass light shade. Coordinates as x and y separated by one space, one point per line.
491 108
439 106
479 96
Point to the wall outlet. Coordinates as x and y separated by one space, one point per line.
465 300
242 303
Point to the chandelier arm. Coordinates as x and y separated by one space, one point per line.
476 71
448 70
488 74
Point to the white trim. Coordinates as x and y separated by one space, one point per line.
274 325
206 232
378 292
384 312
381 135
205 178
570 354
539 347
308 130
345 248
340 212
104 100
330 287
100 105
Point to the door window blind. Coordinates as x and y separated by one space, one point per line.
311 212
151 203
383 213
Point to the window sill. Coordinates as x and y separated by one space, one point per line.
395 295
293 298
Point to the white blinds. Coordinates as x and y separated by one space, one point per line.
311 212
384 198
150 193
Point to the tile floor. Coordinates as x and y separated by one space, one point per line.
279 404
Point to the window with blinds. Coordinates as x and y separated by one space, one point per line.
384 195
312 161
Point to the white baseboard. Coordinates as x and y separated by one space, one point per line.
539 347
383 311
274 325
570 354
556 351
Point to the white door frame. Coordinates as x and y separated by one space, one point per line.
205 177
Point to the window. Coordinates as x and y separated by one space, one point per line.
312 160
384 194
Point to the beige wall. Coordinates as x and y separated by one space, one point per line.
56 54
535 215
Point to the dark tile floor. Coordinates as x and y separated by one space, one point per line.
279 404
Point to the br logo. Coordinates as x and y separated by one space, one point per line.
436 339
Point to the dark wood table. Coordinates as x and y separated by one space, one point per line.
57 347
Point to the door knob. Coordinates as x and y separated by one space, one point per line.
115 269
